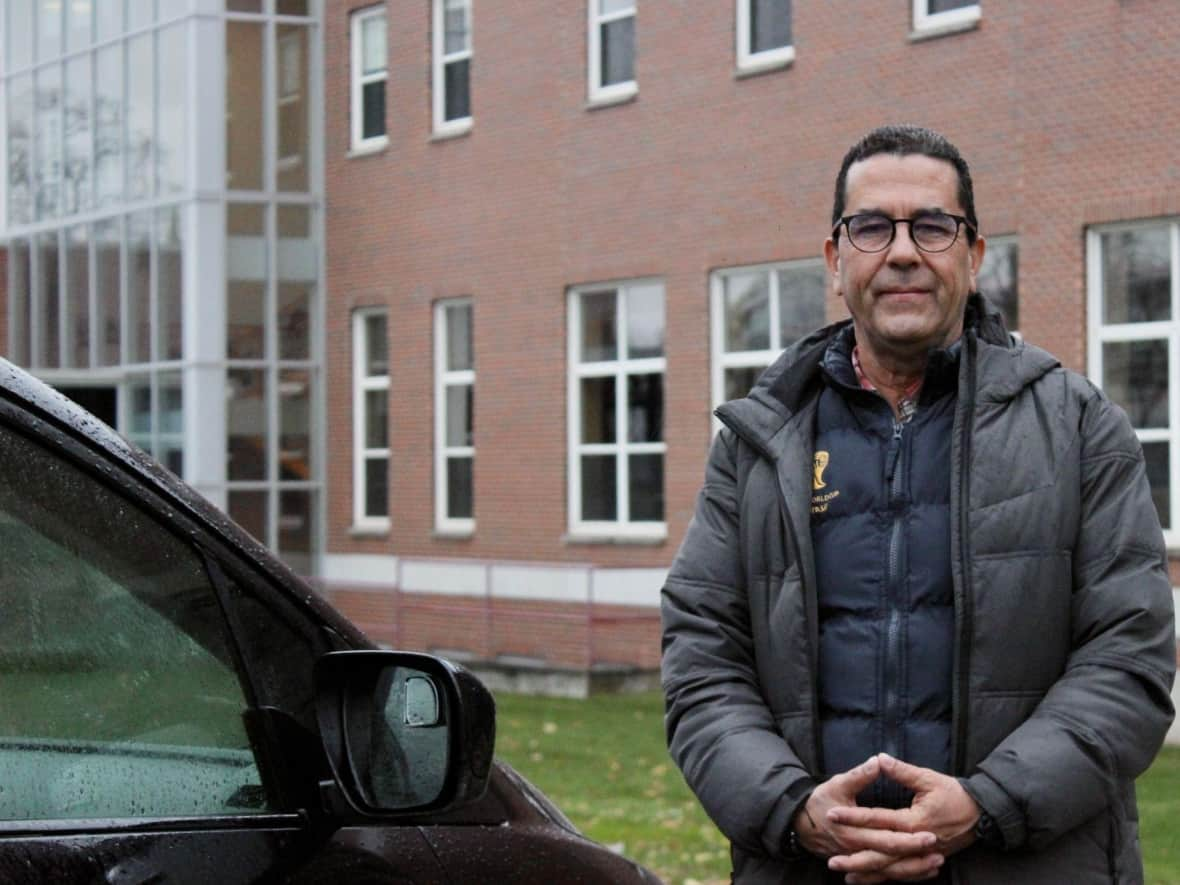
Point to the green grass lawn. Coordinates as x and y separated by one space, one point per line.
603 761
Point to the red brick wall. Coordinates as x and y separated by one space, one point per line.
1059 108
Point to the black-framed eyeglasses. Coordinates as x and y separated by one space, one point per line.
930 231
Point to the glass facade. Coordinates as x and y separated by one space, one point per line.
163 238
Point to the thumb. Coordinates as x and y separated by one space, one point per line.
911 776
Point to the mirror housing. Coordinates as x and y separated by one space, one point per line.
404 733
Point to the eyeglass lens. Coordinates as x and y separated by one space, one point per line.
933 232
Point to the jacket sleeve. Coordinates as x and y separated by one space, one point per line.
720 731
1101 724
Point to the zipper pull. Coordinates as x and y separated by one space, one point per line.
894 451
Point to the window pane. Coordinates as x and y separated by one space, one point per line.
246 269
108 20
169 283
106 278
747 311
49 142
373 109
139 394
618 51
77 286
645 321
645 408
291 7
121 699
19 51
48 305
377 352
294 320
295 424
459 415
292 140
599 334
458 86
171 115
373 44
1159 477
1135 375
376 419
49 43
141 143
800 302
246 424
376 487
140 15
770 24
646 482
1136 276
459 488
139 286
459 347
457 25
108 125
947 5
77 168
739 382
297 272
20 146
599 491
598 410
20 278
606 7
296 517
997 280
243 104
248 509
170 444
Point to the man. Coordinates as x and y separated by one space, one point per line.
920 627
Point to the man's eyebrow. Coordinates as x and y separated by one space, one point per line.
917 213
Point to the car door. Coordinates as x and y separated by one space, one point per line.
154 724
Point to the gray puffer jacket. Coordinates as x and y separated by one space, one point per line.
1064 645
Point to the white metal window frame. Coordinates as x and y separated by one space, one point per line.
442 58
622 448
362 384
358 79
600 94
444 379
748 61
1003 241
745 359
1100 333
950 20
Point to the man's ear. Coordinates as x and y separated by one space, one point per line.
975 251
832 259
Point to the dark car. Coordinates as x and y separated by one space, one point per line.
179 707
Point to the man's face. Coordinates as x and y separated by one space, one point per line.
904 301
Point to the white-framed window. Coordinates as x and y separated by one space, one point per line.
616 411
454 416
999 277
370 419
764 34
368 67
290 82
611 53
756 311
452 66
1133 283
939 15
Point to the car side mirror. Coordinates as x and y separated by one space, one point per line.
403 732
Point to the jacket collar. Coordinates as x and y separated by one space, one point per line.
1006 365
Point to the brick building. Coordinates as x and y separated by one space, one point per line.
437 296
625 212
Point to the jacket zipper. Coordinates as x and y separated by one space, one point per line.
895 476
963 608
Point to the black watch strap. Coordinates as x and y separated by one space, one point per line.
988 832
792 846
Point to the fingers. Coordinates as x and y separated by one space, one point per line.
856 779
900 819
885 841
865 867
911 776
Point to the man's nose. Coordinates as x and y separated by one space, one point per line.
903 250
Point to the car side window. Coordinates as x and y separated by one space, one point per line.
120 696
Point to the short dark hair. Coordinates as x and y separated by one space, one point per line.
903 140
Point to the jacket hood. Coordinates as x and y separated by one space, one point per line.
1005 366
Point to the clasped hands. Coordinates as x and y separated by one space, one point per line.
871 845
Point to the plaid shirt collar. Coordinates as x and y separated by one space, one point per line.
907 405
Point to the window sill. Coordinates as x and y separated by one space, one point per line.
368 150
611 99
455 534
933 32
375 530
453 129
773 60
581 539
